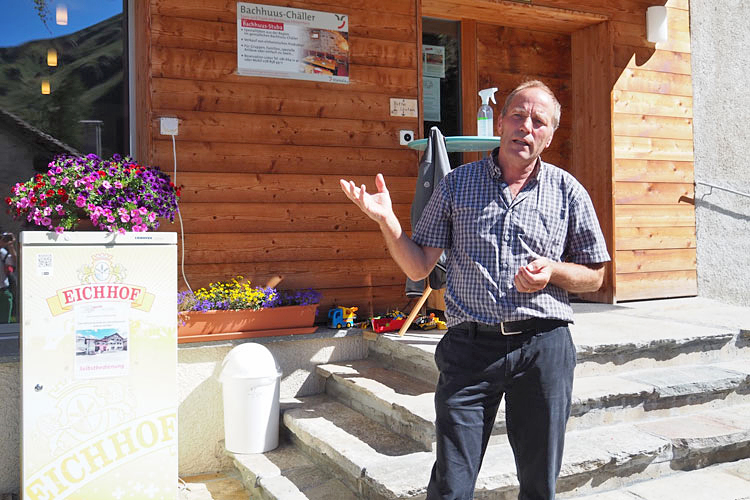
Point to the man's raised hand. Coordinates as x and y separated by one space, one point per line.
377 206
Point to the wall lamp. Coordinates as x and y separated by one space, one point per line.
656 24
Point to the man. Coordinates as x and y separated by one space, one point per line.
7 277
522 234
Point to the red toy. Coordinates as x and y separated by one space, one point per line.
389 323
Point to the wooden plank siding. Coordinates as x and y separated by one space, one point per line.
653 160
259 159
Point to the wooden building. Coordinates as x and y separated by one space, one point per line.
260 158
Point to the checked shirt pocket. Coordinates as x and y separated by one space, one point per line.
542 235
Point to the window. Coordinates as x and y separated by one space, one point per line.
63 88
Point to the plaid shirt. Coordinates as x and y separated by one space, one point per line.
490 235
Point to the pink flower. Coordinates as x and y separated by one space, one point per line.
46 221
106 185
118 184
80 201
52 181
59 229
124 217
121 230
64 181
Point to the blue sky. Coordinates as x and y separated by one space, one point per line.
99 333
20 23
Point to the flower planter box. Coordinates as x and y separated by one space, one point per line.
207 326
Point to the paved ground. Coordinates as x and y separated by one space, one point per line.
219 486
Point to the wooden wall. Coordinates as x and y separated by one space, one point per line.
653 160
259 159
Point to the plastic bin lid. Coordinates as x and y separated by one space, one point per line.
249 361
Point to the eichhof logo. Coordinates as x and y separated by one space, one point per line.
101 270
100 280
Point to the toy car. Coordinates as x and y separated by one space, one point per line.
342 317
426 322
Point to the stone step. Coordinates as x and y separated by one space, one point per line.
286 474
605 344
377 463
405 404
730 481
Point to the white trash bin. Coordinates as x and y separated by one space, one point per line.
250 380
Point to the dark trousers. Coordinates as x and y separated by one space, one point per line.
6 305
534 370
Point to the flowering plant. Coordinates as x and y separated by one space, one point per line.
116 195
240 294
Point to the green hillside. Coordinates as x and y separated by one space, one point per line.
86 84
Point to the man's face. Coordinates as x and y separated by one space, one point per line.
526 130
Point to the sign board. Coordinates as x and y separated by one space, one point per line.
99 365
404 107
433 61
282 42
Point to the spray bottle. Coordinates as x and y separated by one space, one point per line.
484 115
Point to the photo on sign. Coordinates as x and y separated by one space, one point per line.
326 53
102 340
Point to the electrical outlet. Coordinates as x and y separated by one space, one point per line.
169 125
405 137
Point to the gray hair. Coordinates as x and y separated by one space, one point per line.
528 84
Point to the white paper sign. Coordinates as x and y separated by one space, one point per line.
282 42
431 99
433 61
102 336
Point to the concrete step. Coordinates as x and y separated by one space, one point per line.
376 463
285 473
405 404
730 481
605 344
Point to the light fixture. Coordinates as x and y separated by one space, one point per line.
656 24
51 57
61 15
45 87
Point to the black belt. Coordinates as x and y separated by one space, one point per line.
531 325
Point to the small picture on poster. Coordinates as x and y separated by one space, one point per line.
282 42
433 61
102 335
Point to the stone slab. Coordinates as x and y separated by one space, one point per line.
701 484
689 379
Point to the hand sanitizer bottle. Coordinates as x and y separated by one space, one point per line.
485 121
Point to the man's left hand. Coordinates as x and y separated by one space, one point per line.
534 276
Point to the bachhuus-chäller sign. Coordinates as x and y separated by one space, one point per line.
282 42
